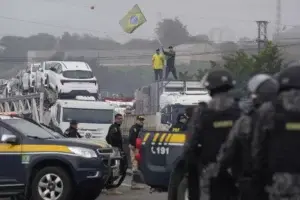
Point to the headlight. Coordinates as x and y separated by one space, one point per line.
83 152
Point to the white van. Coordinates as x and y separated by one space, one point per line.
93 117
70 78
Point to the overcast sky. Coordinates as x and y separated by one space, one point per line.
235 17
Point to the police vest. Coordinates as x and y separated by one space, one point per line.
283 143
216 126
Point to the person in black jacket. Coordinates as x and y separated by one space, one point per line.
114 135
211 128
72 132
133 135
114 138
170 62
181 123
276 139
236 151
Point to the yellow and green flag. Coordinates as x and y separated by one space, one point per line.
133 19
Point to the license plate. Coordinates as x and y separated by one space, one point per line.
115 172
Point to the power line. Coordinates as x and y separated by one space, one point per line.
24 59
50 25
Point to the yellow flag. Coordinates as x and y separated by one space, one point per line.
133 19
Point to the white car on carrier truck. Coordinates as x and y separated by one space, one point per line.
93 117
71 79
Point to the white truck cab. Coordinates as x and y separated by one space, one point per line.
93 117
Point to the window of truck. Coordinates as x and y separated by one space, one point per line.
92 116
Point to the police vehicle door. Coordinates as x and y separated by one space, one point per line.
12 168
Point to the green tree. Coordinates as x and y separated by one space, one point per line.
269 60
243 65
172 32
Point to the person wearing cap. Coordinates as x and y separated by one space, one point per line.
72 132
170 57
158 62
133 135
181 124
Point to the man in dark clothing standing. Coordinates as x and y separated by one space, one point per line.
72 132
181 124
114 135
133 134
170 62
114 138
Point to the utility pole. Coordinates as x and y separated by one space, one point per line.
262 37
278 17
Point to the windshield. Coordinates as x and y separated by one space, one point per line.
55 134
78 74
92 116
28 128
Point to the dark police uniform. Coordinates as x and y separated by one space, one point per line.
211 129
276 141
114 136
72 132
236 151
179 126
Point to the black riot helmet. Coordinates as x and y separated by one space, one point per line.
262 88
288 78
218 80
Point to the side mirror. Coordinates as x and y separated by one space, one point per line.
8 138
52 68
40 69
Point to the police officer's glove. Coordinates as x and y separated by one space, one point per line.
209 172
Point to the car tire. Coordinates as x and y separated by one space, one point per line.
48 175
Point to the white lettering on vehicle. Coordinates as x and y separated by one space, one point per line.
160 150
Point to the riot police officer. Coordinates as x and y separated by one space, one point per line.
210 131
236 151
181 123
276 139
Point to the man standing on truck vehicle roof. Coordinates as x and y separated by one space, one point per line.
133 135
72 131
158 61
114 138
170 62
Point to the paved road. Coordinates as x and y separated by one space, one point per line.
129 194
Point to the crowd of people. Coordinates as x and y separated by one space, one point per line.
245 153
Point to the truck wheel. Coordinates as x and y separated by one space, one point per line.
182 193
52 183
